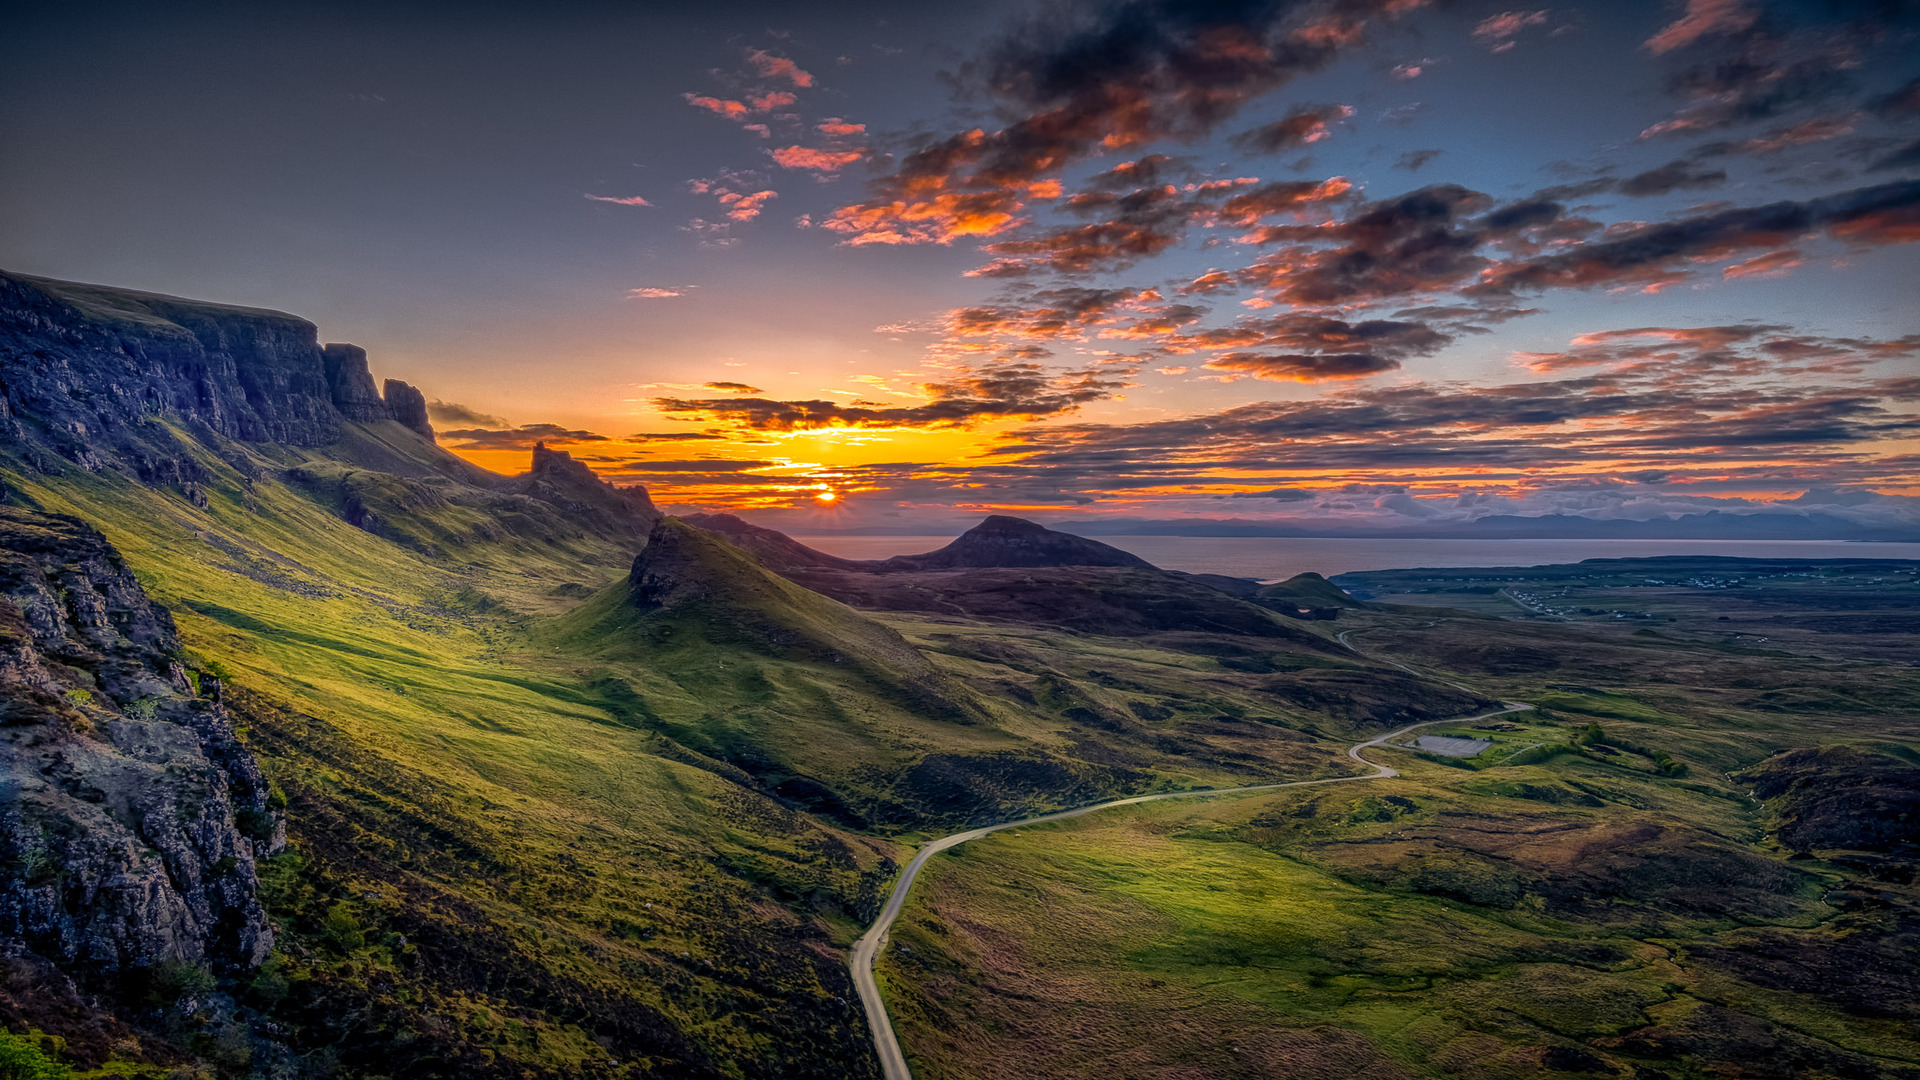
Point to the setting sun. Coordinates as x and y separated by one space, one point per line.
826 496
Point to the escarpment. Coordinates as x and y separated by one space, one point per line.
101 376
133 815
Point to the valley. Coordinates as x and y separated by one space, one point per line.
551 784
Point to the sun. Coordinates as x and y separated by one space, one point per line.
826 496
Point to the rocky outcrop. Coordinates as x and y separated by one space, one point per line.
408 406
352 383
1011 541
133 815
574 488
90 374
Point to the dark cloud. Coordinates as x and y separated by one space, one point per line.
521 438
640 466
733 388
1083 81
1048 313
672 436
1786 137
1002 391
1744 350
1417 242
1901 104
1906 157
1306 332
1414 160
1277 494
1303 126
1302 367
1466 318
1137 225
1149 171
1145 221
1659 254
1674 176
448 412
1567 423
1765 64
1283 197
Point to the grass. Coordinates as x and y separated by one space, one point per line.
1547 909
492 800
546 825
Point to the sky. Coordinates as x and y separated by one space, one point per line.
890 265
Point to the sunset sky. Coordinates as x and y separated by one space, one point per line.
1366 260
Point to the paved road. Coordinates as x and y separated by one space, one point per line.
892 1062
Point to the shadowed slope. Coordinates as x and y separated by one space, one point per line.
1010 570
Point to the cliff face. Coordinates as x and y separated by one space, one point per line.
408 406
132 814
350 383
87 372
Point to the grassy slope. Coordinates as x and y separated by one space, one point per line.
442 785
900 722
539 842
1581 913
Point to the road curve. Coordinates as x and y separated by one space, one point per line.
893 1064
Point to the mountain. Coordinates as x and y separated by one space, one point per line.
998 541
566 788
555 478
689 588
1798 524
1011 570
1002 541
774 550
100 376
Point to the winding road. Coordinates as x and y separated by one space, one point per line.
893 1063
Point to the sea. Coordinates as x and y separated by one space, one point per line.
1273 558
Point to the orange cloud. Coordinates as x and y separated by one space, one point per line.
802 157
1498 32
770 66
1772 264
732 110
1702 17
742 207
838 127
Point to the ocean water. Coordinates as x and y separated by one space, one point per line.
1273 558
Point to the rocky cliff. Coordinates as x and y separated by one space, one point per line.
556 478
132 815
408 406
91 373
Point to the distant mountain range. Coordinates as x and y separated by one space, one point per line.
1712 525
